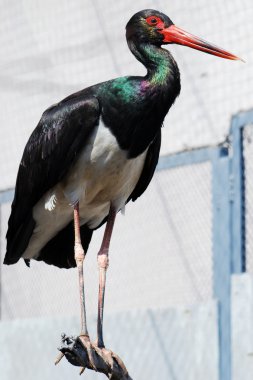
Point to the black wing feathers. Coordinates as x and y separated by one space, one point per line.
51 150
59 250
149 167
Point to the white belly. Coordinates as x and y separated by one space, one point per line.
102 176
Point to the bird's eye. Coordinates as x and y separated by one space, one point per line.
153 20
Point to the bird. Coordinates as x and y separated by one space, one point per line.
93 152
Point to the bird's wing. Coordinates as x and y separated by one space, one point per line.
149 167
51 150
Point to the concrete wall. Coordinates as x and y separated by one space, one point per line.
169 344
242 327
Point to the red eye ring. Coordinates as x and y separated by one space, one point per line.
154 21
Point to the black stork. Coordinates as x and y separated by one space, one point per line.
93 152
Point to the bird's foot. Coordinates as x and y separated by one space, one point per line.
81 352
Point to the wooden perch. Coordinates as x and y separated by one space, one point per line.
82 353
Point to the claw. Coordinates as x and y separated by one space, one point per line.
87 344
59 358
119 362
82 371
107 354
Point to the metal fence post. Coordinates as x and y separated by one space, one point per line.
238 194
228 230
239 121
222 254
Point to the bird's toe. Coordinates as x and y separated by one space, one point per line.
81 352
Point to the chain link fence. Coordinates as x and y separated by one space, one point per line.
156 260
161 298
160 284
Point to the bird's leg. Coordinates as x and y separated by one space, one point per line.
79 257
103 263
80 351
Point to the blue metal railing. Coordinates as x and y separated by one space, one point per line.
221 236
228 202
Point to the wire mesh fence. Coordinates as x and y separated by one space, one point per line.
46 55
162 280
162 263
159 262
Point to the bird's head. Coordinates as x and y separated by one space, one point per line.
150 26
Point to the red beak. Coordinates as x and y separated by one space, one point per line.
176 35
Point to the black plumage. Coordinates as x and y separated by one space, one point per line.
133 108
50 151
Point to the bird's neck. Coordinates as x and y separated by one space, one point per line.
162 70
134 107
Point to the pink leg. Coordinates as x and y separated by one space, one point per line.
103 263
79 257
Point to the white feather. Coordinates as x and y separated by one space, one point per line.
50 202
